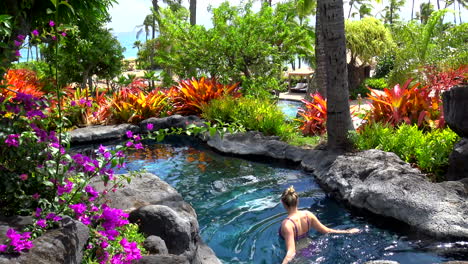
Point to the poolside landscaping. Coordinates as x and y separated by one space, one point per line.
382 151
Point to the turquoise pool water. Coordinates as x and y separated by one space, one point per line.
237 202
289 108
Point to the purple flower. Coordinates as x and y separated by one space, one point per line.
17 53
89 167
54 38
88 103
129 144
19 241
64 189
149 126
21 37
120 154
12 140
36 196
35 32
107 155
72 103
93 194
3 248
18 43
63 34
132 252
82 101
79 209
104 244
53 217
129 134
34 113
23 177
102 149
85 220
139 146
42 223
51 23
38 212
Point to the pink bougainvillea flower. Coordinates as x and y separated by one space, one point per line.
61 189
63 34
35 32
19 241
129 134
51 23
129 144
3 248
36 196
21 37
42 223
18 43
93 194
79 208
149 126
23 177
38 212
139 146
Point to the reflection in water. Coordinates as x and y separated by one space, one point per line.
237 203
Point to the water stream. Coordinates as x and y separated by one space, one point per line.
237 202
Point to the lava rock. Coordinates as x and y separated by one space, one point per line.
458 161
92 134
166 259
456 109
155 245
56 246
174 121
162 221
381 262
382 183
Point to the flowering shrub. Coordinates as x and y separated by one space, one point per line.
190 95
441 81
314 116
57 183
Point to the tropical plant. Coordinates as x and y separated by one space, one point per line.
407 104
258 114
427 150
376 83
314 116
190 95
23 81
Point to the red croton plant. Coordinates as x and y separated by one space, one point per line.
314 116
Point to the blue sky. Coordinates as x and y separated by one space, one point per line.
129 13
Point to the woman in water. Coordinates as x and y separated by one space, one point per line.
298 223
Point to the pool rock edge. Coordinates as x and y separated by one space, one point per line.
374 180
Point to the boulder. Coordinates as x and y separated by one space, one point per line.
382 183
61 245
155 245
456 109
166 259
162 221
160 211
174 121
256 144
92 134
458 161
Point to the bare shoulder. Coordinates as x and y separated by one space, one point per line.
309 214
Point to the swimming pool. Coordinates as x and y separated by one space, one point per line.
289 108
237 203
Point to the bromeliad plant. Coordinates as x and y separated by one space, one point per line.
314 116
407 104
23 81
190 95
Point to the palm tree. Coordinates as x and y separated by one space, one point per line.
193 12
331 16
147 23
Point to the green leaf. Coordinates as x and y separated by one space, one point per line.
68 5
49 11
54 2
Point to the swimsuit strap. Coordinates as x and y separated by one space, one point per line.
295 228
308 224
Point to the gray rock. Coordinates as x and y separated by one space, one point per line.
159 210
205 255
101 133
163 259
252 143
456 109
155 245
219 186
174 121
56 246
458 161
383 184
162 221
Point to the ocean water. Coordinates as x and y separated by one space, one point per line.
127 39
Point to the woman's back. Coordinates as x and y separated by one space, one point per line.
299 223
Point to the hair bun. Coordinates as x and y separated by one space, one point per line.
290 190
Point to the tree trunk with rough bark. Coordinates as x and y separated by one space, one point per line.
319 81
193 12
339 118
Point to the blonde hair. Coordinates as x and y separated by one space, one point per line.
290 197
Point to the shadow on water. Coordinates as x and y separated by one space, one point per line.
237 203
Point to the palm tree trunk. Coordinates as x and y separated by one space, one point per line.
193 12
350 8
332 31
412 9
